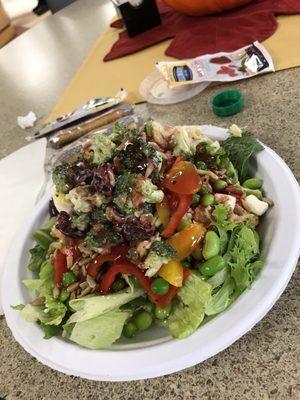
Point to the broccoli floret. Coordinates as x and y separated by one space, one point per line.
106 236
80 221
148 128
61 178
160 253
122 194
102 147
151 192
118 132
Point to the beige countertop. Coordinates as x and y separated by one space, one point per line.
264 364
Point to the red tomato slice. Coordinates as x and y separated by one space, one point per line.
183 178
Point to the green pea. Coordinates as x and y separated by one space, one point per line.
160 286
196 199
253 183
201 165
64 295
203 190
184 223
220 185
119 284
129 329
212 266
68 278
211 245
163 313
142 320
207 199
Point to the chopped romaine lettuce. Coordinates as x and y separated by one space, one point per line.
220 300
89 307
100 332
188 313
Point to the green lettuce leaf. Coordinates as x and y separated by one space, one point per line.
53 311
240 150
243 248
188 313
100 332
92 306
37 257
220 300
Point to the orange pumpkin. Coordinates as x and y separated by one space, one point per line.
204 7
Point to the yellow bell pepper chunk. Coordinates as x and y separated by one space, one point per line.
163 212
185 241
172 272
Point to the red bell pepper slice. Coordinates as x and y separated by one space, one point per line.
60 267
127 267
96 264
185 201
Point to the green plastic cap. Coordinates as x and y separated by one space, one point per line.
227 103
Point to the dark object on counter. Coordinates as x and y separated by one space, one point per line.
41 8
227 103
57 5
139 18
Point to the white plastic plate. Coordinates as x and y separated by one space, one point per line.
154 353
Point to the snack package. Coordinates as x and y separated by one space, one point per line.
65 136
244 63
88 110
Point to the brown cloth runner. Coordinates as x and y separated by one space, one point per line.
195 36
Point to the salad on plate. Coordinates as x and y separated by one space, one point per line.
156 225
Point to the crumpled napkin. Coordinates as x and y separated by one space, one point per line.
21 179
27 121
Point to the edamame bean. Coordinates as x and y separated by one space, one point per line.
207 199
142 320
219 185
129 329
160 286
184 223
163 313
253 183
212 266
211 245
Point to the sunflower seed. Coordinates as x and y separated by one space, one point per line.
83 270
84 261
39 301
72 287
72 296
85 292
55 292
90 281
84 285
69 261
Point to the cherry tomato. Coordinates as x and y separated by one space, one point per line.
183 178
